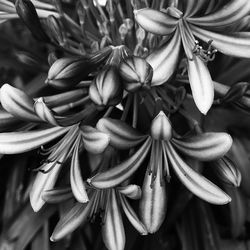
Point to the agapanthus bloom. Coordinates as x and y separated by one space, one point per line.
184 23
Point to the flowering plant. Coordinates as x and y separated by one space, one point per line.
124 111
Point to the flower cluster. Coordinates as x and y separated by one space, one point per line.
116 107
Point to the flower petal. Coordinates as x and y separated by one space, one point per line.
16 102
121 172
235 44
205 146
201 84
43 182
155 21
230 13
20 142
153 204
44 112
76 181
113 230
132 217
131 191
122 136
58 195
94 140
76 216
195 182
192 7
164 60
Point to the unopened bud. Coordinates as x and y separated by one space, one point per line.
27 12
106 88
136 74
65 73
227 172
161 128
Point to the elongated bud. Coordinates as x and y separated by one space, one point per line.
227 172
65 73
157 22
55 30
161 128
236 92
106 88
27 12
136 74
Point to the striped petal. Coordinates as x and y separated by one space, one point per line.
44 112
195 182
20 142
123 171
155 21
132 217
201 84
43 182
76 181
164 60
55 196
153 204
236 44
17 103
230 13
192 7
205 146
113 230
122 136
76 216
131 191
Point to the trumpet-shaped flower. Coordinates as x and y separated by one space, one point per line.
184 26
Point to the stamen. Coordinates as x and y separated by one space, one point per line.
165 162
205 54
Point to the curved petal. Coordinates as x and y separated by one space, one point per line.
164 60
205 146
155 21
43 182
17 103
122 136
20 142
195 182
230 13
132 217
121 172
76 216
201 84
193 6
235 44
76 181
153 204
94 140
58 195
131 191
44 112
113 230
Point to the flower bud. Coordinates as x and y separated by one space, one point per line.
106 89
27 12
161 128
65 72
136 73
227 172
